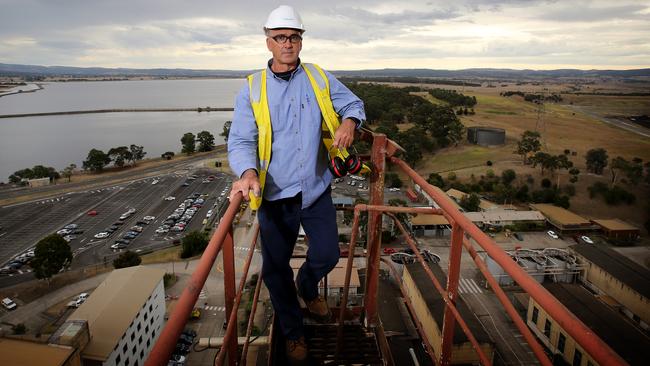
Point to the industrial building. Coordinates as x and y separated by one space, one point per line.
125 314
335 279
16 352
626 283
564 220
430 225
429 308
629 342
486 136
498 218
618 229
548 265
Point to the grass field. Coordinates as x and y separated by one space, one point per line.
562 128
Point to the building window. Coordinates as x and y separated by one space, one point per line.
535 314
126 362
132 336
150 307
561 342
140 340
148 343
547 328
142 354
146 329
146 316
117 360
139 326
124 348
577 358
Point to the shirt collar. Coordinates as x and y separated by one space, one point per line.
282 75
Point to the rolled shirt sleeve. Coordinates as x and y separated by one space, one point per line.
242 140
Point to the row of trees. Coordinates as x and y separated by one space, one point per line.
634 170
189 140
454 98
97 160
534 98
38 171
435 126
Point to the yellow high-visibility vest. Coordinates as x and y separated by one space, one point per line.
259 103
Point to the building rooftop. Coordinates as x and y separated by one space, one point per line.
24 353
615 224
485 205
424 219
436 304
336 278
113 305
616 331
560 216
505 215
616 264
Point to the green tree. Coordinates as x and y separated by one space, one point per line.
508 176
67 172
137 153
596 160
96 160
189 143
393 181
52 253
574 172
119 155
436 179
206 141
528 144
619 164
470 203
36 172
127 259
167 155
226 130
194 243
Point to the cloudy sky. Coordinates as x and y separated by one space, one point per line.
359 34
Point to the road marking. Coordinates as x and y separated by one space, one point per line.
468 286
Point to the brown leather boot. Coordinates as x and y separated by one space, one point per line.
319 310
297 351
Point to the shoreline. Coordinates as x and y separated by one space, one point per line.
120 110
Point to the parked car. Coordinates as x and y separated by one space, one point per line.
118 246
123 241
518 236
63 232
185 184
389 251
170 198
552 234
137 228
9 304
149 218
92 213
71 226
586 239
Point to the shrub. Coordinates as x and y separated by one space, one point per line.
194 243
489 163
546 183
451 176
19 328
127 259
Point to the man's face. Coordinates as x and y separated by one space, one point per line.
284 53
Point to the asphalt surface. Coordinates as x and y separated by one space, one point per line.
25 224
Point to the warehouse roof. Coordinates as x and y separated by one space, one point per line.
560 216
620 267
113 305
616 331
24 353
505 215
424 219
436 304
616 225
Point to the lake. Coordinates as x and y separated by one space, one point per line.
60 140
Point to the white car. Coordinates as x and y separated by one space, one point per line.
209 214
8 303
64 232
586 239
552 234
155 181
102 235
170 198
149 218
161 230
393 189
69 238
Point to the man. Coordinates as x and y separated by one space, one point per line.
276 148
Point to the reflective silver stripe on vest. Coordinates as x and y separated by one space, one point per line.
256 91
317 76
264 165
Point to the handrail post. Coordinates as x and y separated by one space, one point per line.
374 228
229 291
449 323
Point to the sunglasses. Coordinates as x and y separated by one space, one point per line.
283 38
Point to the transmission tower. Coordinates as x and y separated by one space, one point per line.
540 124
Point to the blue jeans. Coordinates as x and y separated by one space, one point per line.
279 225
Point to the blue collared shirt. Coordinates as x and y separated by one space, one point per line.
298 156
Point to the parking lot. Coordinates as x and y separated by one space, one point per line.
98 210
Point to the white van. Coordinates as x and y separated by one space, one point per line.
8 303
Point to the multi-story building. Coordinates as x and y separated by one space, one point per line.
614 329
125 315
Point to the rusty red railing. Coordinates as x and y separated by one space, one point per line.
464 235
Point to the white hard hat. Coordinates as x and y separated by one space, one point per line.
284 16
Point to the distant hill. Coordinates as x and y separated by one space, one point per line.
486 73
